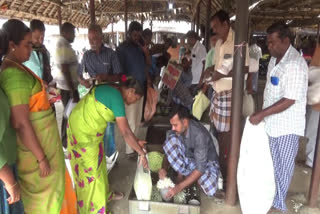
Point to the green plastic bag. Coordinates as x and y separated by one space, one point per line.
200 104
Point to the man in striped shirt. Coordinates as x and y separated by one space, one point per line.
102 64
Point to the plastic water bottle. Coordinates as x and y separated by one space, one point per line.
109 141
220 182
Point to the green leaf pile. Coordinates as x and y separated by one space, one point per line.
155 160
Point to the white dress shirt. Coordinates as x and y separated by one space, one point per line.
290 80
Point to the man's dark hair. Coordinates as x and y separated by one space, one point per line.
36 24
281 28
67 27
222 15
211 33
146 32
95 28
135 26
183 112
168 41
192 35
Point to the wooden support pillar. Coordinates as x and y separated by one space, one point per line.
112 36
59 18
198 18
193 24
207 36
142 17
151 24
92 12
125 18
241 37
315 178
318 34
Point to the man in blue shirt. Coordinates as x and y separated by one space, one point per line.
135 61
39 61
101 63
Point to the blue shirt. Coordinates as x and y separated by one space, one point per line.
154 69
132 61
35 64
104 62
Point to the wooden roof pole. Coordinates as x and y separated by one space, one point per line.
198 18
207 36
315 178
125 18
59 18
92 12
318 33
241 37
142 17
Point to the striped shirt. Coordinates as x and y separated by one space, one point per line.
287 79
104 62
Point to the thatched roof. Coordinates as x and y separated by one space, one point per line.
295 12
77 11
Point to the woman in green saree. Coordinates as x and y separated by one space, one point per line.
40 159
86 127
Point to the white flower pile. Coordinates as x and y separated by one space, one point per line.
165 183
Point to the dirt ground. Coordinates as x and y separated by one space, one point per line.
122 175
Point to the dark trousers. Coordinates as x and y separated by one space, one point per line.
65 97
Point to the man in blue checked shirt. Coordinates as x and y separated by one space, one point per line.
101 63
190 151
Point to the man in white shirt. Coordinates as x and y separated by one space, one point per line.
198 57
65 71
255 54
284 107
220 77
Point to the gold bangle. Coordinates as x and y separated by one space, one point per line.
15 184
39 161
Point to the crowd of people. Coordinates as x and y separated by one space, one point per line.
110 88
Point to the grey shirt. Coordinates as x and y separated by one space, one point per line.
199 145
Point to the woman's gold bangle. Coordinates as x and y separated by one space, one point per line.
39 161
10 187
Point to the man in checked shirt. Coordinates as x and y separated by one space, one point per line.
190 151
102 64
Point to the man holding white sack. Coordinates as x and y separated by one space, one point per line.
284 107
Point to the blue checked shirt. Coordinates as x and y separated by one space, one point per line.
105 62
199 145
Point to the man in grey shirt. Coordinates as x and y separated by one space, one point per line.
190 151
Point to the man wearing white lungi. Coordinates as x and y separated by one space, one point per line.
284 107
190 151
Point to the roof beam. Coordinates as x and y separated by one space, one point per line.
84 1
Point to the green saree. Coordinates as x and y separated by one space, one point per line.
86 127
39 195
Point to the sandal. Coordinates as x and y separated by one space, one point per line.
115 196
